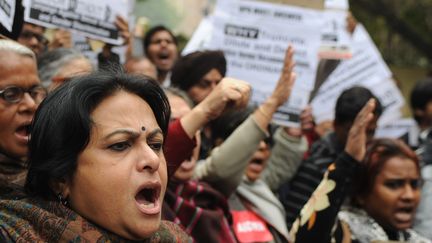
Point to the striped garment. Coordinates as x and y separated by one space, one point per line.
201 210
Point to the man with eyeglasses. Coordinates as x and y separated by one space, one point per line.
20 95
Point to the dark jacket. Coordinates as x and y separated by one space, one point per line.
296 192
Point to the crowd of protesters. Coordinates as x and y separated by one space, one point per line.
167 149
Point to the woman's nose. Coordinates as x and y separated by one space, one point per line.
148 159
408 192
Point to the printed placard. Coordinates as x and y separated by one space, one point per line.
94 19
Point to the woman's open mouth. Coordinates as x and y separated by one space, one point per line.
147 198
405 214
23 132
256 165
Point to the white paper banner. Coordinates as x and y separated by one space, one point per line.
367 69
94 19
400 128
201 38
254 37
7 13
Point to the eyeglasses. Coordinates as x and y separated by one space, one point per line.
29 35
14 94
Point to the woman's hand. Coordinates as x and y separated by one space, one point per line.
229 93
356 142
281 92
306 123
61 38
286 81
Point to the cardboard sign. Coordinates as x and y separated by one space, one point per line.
248 227
94 19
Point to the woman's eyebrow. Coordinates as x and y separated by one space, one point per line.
130 132
155 132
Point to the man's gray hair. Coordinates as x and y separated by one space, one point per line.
51 62
17 48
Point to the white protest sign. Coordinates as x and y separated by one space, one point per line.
365 68
94 19
399 128
7 13
254 37
201 38
336 4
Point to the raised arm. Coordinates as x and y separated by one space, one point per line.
225 166
228 94
317 218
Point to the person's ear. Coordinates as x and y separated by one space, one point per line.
61 186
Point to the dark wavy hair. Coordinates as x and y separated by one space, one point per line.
378 153
62 124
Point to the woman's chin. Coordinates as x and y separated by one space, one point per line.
142 231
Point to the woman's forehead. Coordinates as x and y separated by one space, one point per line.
124 109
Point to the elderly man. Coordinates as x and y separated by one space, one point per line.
20 95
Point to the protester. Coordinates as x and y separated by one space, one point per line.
107 59
253 201
223 170
198 73
141 65
295 193
60 64
423 218
386 191
385 184
97 171
20 95
160 46
33 37
421 104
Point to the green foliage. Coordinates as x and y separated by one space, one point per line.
401 29
158 12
